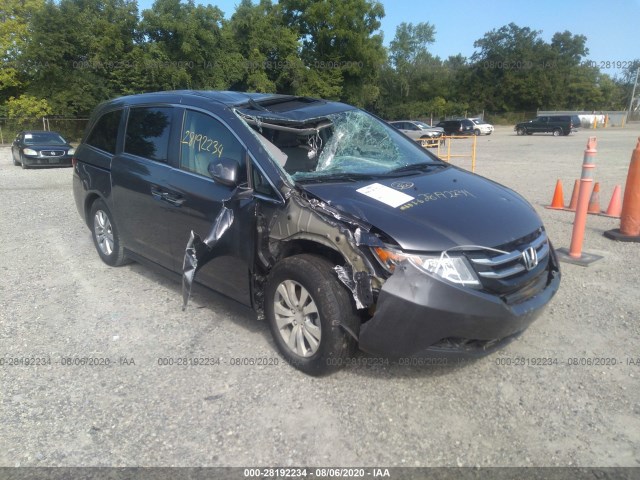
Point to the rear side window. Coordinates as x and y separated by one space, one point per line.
104 134
148 130
204 139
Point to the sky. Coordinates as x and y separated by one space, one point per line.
612 28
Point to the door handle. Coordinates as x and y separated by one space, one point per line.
173 199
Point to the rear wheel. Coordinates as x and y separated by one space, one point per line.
557 132
105 235
305 306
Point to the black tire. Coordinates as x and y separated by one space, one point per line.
557 132
334 307
104 229
521 131
15 162
22 162
476 132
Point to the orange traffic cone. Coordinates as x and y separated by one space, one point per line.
594 202
629 230
558 197
573 204
615 205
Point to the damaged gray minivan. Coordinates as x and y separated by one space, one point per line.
332 225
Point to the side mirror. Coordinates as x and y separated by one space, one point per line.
224 170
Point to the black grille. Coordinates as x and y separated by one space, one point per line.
519 272
52 153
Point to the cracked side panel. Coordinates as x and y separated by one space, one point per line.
199 252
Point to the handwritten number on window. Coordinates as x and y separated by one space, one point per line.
202 143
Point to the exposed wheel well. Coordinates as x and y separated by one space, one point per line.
297 247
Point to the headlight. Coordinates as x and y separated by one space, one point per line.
71 151
453 268
29 151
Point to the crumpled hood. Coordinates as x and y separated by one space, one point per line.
450 207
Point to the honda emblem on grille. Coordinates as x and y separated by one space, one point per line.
530 258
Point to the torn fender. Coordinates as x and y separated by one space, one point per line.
359 283
313 220
316 221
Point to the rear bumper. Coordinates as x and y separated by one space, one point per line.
419 315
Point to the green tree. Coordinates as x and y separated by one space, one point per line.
268 45
74 50
189 37
26 108
341 43
507 69
15 17
408 53
414 83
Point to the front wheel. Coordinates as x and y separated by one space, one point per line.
476 132
521 131
23 163
105 235
306 307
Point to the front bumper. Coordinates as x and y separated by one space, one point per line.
432 141
420 315
42 161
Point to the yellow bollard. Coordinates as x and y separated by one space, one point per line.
473 155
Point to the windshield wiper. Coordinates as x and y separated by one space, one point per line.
343 177
416 167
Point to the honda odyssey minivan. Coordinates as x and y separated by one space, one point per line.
334 227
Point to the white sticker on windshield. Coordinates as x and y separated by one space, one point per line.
28 135
385 194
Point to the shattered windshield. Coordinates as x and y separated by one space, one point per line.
345 144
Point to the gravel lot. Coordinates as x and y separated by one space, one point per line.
58 301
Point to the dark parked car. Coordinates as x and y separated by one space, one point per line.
462 126
554 124
421 132
328 222
39 148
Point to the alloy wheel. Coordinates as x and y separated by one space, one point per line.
104 232
297 318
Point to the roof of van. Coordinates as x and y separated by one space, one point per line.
271 106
